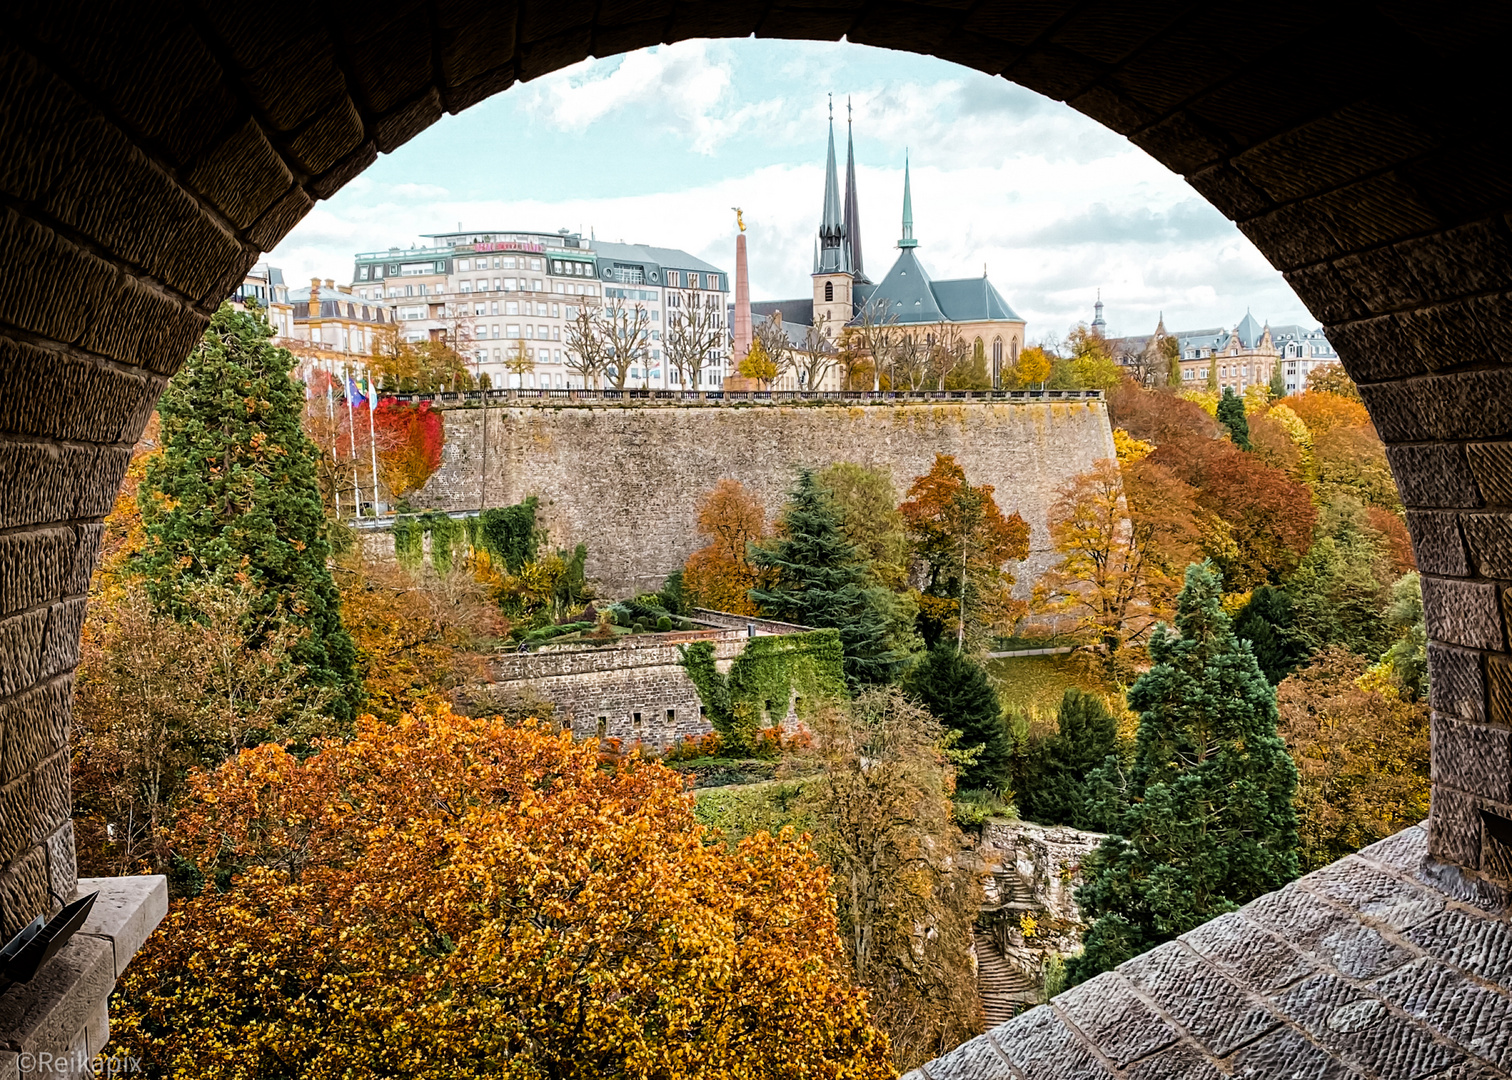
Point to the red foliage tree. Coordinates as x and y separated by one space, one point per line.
409 439
1157 416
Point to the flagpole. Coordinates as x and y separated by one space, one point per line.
372 437
335 460
346 370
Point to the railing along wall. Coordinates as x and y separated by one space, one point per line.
462 399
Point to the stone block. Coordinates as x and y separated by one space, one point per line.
18 817
1466 888
23 894
60 641
1357 1025
1473 758
976 1059
242 176
52 790
33 724
1285 238
1380 278
1286 1053
1496 856
407 121
1403 851
1433 475
1361 887
34 567
9 1067
1463 613
1042 1047
1211 1007
282 216
1324 291
1180 1062
34 253
1373 350
1256 958
62 860
86 552
49 1013
1437 544
1474 942
1456 684
1454 827
1332 938
1499 686
47 393
1117 1022
1475 1018
1473 258
125 912
97 1030
1491 464
1474 404
21 650
1398 410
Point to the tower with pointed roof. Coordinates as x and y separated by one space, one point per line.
1099 324
834 275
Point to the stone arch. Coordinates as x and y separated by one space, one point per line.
152 152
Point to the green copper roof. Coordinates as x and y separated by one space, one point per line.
907 240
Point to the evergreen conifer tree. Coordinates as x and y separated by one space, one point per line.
819 578
1277 387
1210 822
1087 734
1269 623
1231 415
1212 376
958 694
233 496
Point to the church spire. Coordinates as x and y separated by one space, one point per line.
833 255
852 204
907 240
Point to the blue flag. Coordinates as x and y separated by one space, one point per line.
354 395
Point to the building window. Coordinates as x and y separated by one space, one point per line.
512 330
512 307
829 291
997 361
603 726
362 274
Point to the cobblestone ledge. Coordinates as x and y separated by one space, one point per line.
1385 964
53 1026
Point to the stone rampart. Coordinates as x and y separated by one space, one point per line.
635 693
626 479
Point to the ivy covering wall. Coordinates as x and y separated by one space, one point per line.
508 533
769 675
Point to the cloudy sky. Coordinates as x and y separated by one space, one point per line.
657 146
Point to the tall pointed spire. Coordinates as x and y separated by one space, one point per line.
852 204
833 255
908 240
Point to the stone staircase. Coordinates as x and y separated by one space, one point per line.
1005 990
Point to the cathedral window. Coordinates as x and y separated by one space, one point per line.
829 291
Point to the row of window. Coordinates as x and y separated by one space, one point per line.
512 330
500 262
620 272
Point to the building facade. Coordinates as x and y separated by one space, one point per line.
907 297
1243 357
507 299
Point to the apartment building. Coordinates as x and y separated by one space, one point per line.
499 295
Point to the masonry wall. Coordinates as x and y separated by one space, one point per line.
627 480
617 684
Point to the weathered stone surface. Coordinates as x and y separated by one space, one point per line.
51 1011
1359 886
21 650
1463 612
1212 1009
1360 1028
1437 543
18 818
85 554
23 893
1479 945
1176 1063
125 912
1330 935
1499 687
1286 1053
1456 684
1474 1016
1106 1011
638 519
1492 466
34 724
1454 830
1472 757
34 567
1490 537
1255 957
1434 475
975 1060
53 796
1042 1047
62 867
60 641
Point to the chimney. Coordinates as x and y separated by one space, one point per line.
314 298
330 283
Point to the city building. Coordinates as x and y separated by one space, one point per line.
263 287
907 296
507 299
1244 356
330 323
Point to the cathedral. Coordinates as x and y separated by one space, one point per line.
842 294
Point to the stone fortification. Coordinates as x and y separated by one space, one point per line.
636 692
626 479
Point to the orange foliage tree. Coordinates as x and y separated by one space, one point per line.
965 543
1321 411
717 575
1125 537
445 897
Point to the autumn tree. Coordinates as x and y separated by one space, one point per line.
964 542
1361 753
968 366
1332 379
1091 362
1209 823
1157 416
814 576
758 365
774 340
867 503
816 357
1342 588
1125 536
1276 389
903 877
719 575
233 496
1032 368
409 444
1322 411
519 362
444 897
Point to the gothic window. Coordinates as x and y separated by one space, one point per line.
829 291
997 361
1013 351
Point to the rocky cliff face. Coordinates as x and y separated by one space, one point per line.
1029 912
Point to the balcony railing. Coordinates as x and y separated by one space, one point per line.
741 397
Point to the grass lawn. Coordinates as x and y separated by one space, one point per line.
1034 686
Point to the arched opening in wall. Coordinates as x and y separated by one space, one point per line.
1342 224
997 361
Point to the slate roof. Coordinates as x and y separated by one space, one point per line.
659 256
1249 331
1384 964
912 296
972 300
794 311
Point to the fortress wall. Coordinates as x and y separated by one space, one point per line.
627 479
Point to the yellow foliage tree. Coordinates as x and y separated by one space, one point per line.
1129 449
758 364
718 574
445 897
1033 367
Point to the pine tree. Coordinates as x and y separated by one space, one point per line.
1086 736
1277 387
956 691
233 495
818 578
1210 822
1212 376
1269 623
1231 416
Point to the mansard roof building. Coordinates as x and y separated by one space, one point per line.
842 294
